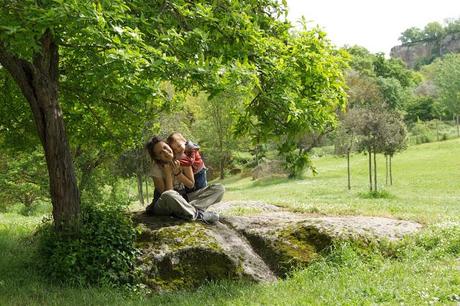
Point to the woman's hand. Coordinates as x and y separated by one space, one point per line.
175 167
185 176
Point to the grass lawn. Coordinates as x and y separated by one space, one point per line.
426 186
418 271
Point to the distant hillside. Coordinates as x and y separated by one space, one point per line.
419 53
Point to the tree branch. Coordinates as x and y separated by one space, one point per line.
22 72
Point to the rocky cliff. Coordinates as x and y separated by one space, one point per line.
424 52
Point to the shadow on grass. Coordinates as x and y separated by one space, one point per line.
263 182
382 194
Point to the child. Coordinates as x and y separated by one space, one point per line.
188 154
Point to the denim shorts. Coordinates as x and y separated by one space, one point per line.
200 181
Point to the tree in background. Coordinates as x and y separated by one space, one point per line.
378 90
453 25
214 126
345 139
411 35
23 179
394 139
433 31
299 88
447 80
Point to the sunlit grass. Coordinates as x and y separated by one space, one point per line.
426 181
424 271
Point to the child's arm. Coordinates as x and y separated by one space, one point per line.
184 174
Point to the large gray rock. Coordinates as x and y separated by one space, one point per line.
254 241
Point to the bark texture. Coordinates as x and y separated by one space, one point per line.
39 81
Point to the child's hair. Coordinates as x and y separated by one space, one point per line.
176 135
150 145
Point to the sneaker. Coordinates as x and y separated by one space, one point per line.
208 217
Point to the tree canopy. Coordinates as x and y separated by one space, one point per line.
93 73
431 31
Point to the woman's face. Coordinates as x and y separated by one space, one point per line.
163 152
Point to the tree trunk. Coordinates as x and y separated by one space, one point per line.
129 188
458 128
391 174
348 170
140 192
38 81
222 167
147 190
370 169
437 130
386 169
375 171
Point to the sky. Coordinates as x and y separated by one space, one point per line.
374 24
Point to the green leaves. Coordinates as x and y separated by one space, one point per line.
100 252
447 80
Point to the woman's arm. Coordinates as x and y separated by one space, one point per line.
184 174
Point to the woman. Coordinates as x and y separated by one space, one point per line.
170 180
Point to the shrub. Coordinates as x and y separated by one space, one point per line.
422 133
99 252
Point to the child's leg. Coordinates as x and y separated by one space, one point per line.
200 179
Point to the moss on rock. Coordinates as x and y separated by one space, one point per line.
182 256
291 247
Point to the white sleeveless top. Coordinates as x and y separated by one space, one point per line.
156 171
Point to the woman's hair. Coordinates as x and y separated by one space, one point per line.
150 145
176 135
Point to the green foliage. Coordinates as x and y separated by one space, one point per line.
214 125
429 131
115 57
453 25
23 179
16 123
300 86
297 162
376 80
377 129
393 69
422 108
433 31
395 94
435 242
376 194
421 132
447 80
99 252
411 35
